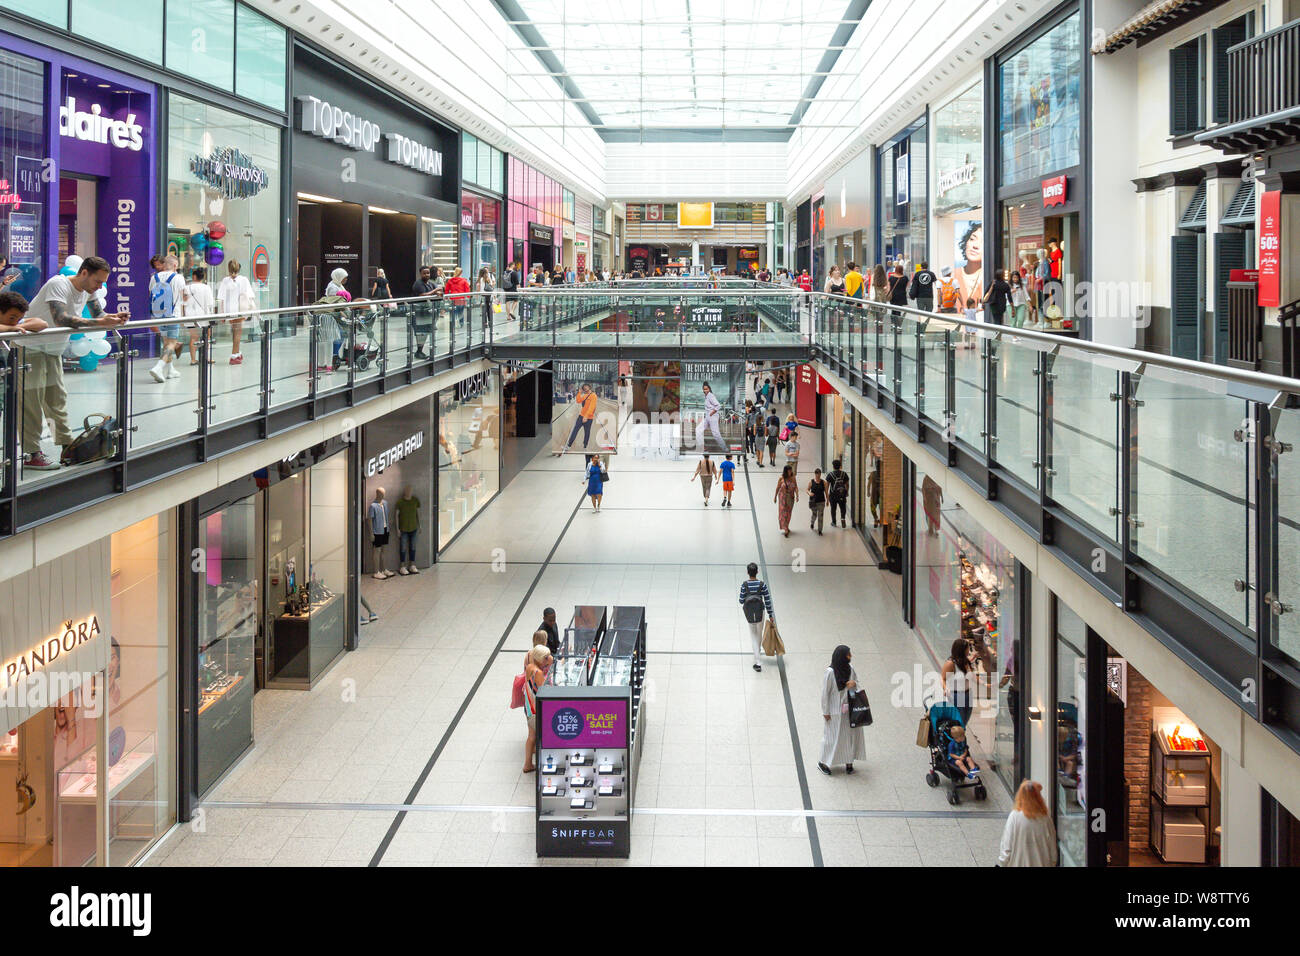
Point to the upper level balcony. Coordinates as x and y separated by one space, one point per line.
1264 93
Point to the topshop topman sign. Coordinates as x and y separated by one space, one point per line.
321 119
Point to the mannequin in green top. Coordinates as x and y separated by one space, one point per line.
408 526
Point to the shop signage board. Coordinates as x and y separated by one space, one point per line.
24 240
1270 249
403 449
805 395
1054 191
320 118
539 233
963 175
902 179
1243 275
230 172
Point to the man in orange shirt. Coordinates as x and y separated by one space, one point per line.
586 402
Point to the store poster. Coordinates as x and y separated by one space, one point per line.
584 408
805 395
712 422
656 391
968 259
24 238
571 724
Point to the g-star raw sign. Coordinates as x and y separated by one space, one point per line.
92 126
47 651
230 172
321 119
1054 191
403 449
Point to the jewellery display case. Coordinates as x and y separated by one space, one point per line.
590 720
132 784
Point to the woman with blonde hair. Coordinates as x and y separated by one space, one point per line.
1029 839
539 662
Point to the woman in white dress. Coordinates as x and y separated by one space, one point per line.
840 742
235 297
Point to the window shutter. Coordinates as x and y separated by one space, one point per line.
1228 35
1185 89
1229 254
1185 297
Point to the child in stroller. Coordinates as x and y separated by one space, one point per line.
361 347
943 729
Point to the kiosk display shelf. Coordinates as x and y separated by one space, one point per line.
1181 782
589 734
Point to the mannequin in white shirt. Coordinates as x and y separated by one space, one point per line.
235 297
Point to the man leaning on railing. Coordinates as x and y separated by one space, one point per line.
60 304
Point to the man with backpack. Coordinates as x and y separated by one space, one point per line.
837 491
949 295
510 286
922 290
754 600
166 291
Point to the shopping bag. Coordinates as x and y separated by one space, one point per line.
517 692
772 644
859 709
923 732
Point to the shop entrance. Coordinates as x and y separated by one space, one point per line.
78 215
393 247
329 238
272 598
1061 240
543 253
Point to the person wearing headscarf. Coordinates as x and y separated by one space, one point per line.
840 742
337 287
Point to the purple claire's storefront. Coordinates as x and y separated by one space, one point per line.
78 157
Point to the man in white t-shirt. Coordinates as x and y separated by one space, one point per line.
60 303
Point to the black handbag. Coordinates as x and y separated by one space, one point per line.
859 709
97 442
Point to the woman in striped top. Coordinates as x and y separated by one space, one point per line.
755 598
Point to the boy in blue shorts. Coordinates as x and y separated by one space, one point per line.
728 469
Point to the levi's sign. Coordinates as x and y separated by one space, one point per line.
319 118
1054 191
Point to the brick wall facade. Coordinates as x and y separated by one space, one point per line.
1137 757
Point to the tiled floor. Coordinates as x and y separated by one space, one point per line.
419 715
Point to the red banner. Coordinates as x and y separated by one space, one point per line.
1270 248
805 395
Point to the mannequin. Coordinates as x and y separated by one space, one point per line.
379 527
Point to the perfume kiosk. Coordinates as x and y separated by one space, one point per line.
590 728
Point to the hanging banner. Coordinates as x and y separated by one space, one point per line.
584 408
805 395
712 401
1270 249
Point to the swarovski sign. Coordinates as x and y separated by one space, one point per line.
334 123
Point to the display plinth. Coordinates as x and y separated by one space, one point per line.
589 732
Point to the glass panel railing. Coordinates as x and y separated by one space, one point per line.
367 341
162 392
909 359
64 386
1083 438
1286 630
936 346
333 348
292 358
236 369
1015 422
1188 487
970 355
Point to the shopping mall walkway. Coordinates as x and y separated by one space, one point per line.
407 752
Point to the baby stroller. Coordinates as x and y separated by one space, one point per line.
941 718
363 347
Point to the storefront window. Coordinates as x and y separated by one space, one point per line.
958 196
223 200
480 234
22 148
469 456
141 695
534 198
966 597
1071 698
227 629
93 771
327 574
140 34
1039 105
260 45
201 40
